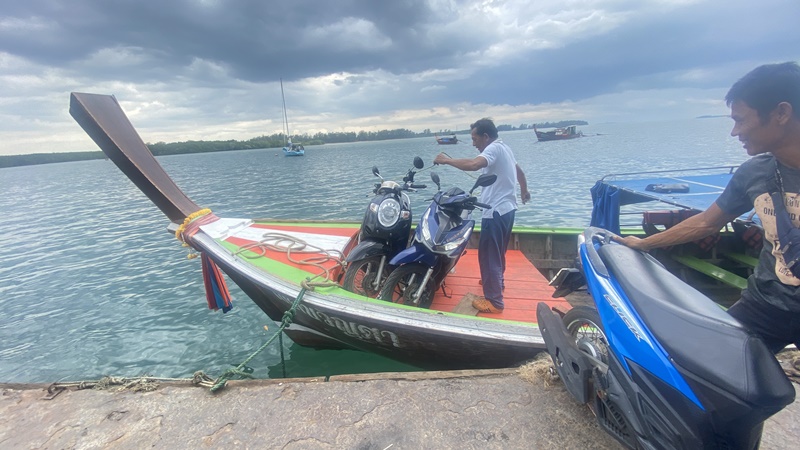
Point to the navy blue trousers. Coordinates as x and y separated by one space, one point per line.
495 234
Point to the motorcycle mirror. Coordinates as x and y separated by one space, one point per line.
435 179
418 163
483 181
376 172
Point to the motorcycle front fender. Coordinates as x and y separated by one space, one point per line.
416 253
367 249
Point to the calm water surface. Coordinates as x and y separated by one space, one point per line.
91 284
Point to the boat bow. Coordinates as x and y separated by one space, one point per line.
104 121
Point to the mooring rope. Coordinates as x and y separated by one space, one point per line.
270 241
288 316
285 243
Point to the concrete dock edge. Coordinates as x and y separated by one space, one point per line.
455 409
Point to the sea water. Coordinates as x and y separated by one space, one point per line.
92 284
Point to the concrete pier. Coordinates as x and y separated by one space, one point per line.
487 409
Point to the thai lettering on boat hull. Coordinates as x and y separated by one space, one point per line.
352 329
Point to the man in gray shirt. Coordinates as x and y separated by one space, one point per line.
765 108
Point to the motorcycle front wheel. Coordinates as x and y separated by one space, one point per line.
404 282
360 277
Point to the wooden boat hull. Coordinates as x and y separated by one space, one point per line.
424 338
559 134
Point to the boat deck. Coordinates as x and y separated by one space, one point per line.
525 286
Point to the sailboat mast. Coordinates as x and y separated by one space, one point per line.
285 117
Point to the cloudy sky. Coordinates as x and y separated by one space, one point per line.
211 69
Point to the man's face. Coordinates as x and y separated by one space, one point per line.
479 141
756 136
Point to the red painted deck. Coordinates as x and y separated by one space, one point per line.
525 287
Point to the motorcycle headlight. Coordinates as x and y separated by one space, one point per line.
388 212
456 240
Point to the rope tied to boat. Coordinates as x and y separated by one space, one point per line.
191 224
290 245
241 370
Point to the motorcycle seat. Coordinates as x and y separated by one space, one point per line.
695 332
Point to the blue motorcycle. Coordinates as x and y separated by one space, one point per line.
384 232
660 364
442 236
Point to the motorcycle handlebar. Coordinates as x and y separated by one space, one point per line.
418 186
483 205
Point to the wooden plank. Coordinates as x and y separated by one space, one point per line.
712 271
465 305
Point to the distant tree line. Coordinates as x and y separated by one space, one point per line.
271 141
47 158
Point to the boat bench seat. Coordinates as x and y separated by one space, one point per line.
741 258
712 271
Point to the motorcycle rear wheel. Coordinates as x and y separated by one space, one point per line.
403 282
360 275
584 325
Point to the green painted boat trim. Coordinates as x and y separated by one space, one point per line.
712 271
309 224
742 258
522 229
296 276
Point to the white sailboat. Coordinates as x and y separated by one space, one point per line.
289 149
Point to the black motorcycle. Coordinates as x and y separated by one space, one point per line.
385 231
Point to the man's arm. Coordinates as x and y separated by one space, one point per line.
691 229
468 164
523 185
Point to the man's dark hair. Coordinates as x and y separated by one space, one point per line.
764 87
486 126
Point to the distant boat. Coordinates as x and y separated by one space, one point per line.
446 140
289 149
558 134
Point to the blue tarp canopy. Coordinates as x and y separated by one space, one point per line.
610 193
703 190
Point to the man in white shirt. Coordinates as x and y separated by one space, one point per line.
495 158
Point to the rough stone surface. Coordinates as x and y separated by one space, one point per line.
465 410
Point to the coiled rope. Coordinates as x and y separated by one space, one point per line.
280 242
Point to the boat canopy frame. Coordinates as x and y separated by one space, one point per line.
690 189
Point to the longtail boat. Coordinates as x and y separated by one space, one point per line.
279 264
559 134
446 140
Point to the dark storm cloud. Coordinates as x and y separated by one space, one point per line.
212 66
255 40
649 53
